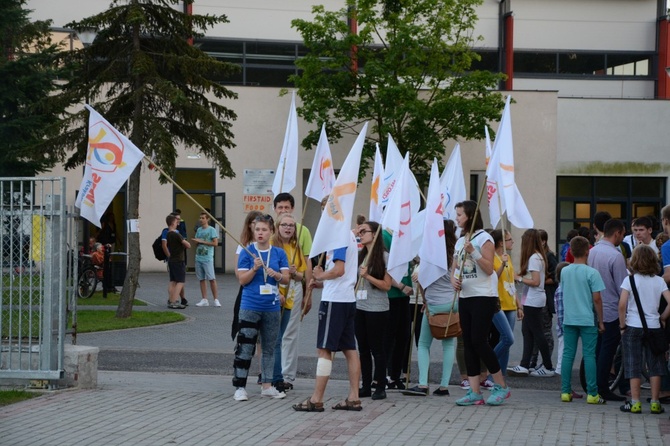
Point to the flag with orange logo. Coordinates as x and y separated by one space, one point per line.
110 160
433 252
375 191
502 192
287 168
335 224
398 218
322 175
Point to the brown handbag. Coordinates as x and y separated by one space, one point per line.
444 325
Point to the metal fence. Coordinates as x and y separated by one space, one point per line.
37 271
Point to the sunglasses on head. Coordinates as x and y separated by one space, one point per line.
264 217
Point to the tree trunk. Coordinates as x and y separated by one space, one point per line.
125 308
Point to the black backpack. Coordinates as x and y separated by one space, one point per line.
158 248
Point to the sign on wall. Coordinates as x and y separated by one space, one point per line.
257 190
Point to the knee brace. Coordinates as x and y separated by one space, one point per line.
323 367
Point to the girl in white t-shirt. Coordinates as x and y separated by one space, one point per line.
531 274
650 289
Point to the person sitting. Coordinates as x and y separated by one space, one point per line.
98 258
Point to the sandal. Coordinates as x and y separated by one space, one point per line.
309 406
348 405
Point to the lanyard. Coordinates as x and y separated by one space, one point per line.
266 264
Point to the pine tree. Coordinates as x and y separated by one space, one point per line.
147 79
29 74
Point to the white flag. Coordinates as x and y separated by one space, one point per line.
433 252
285 176
391 170
322 175
452 184
335 224
500 178
398 218
110 160
375 213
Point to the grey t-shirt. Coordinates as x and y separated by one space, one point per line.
440 292
376 299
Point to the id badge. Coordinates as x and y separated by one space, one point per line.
361 294
266 289
457 273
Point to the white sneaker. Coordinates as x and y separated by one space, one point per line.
486 384
542 372
203 303
517 370
241 394
217 303
272 393
465 384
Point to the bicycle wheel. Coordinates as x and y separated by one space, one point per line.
86 283
616 373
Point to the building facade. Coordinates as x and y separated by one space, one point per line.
588 78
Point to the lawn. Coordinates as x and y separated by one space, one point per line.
112 299
8 397
103 320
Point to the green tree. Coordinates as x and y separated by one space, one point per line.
142 74
408 71
29 74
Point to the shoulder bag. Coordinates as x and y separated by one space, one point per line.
655 337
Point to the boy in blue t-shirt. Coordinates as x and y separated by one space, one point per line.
582 317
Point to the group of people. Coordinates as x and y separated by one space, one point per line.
366 314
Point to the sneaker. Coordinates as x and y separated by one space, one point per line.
176 306
595 399
631 407
184 302
542 372
364 392
465 384
416 391
471 399
397 384
441 392
645 385
217 303
517 370
656 408
279 385
498 395
486 384
271 392
566 397
203 303
241 394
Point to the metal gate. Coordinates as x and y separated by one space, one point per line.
37 267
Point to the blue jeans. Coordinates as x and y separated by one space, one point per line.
283 323
252 323
589 335
504 323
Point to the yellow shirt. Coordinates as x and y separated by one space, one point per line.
506 286
301 267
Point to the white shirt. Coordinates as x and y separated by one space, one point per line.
650 289
474 282
342 288
534 295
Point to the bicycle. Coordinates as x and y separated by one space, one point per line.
616 374
87 281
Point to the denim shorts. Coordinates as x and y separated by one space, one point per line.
204 270
633 348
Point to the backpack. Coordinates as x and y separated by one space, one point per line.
158 248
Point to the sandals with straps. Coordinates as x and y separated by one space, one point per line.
308 406
349 405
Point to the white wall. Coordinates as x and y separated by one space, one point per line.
591 88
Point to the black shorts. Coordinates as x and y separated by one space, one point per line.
177 271
336 326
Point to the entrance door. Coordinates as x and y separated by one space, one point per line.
219 212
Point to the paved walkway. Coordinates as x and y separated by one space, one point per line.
195 405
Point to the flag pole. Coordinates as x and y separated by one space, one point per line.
367 257
411 336
174 183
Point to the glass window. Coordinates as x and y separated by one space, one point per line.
615 187
268 77
575 186
195 179
647 187
628 65
535 62
567 209
581 63
489 61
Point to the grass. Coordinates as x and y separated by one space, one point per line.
112 299
89 321
8 397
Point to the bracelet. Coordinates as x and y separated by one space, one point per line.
476 255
